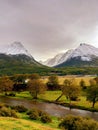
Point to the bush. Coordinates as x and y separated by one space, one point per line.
74 98
12 94
37 114
33 114
19 108
1 105
13 114
46 118
78 123
6 112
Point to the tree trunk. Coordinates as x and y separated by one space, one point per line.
94 101
70 103
93 104
59 97
35 96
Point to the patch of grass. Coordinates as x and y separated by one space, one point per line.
23 95
78 79
21 124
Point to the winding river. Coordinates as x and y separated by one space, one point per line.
51 108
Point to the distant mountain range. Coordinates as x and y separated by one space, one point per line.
15 58
83 55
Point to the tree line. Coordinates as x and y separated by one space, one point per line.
35 85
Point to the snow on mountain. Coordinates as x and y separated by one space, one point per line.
65 56
85 52
15 48
52 61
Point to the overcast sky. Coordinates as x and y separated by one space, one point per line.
48 27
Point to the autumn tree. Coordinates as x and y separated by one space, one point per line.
72 122
19 78
70 89
36 86
6 85
53 83
92 92
34 76
19 82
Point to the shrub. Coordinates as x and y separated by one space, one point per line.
19 108
1 105
6 112
13 114
33 114
74 98
12 94
78 123
46 118
37 114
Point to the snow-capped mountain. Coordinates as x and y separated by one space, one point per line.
58 59
15 48
84 53
65 56
15 55
52 61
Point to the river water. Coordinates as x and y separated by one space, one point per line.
51 108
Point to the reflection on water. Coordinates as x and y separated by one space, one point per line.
51 108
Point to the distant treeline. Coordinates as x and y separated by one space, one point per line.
46 71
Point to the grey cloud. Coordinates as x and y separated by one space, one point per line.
47 27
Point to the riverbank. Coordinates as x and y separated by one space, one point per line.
51 96
53 109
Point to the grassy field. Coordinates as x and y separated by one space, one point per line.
77 78
8 123
52 95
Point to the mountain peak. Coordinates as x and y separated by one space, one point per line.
84 52
16 43
82 44
16 48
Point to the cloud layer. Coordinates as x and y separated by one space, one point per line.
47 27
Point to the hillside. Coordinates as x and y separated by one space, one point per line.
21 124
20 64
15 59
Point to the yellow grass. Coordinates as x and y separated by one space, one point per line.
8 123
77 78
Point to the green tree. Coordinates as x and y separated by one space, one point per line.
53 83
36 86
70 89
6 85
92 92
